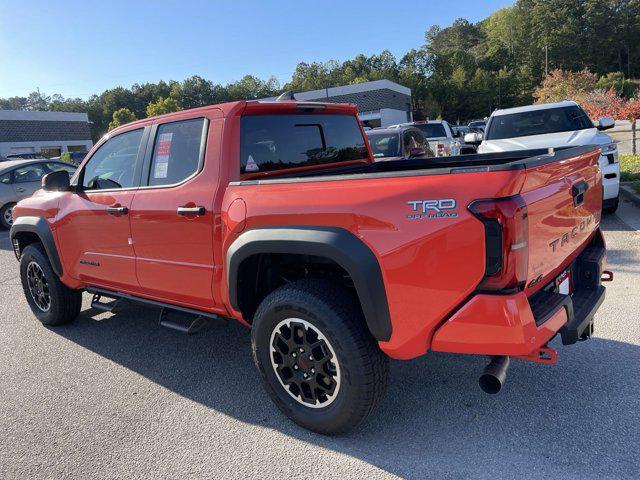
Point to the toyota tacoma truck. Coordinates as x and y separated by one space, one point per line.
275 214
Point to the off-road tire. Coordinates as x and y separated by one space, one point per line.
65 303
336 315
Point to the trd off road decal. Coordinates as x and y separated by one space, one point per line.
442 208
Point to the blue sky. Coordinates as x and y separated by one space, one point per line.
81 47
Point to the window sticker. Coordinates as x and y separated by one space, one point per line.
252 166
162 155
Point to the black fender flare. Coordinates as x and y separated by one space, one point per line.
336 244
40 227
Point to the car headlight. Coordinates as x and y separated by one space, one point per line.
609 148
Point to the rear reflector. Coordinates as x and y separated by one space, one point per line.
506 230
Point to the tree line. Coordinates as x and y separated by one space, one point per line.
463 71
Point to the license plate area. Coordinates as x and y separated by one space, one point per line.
563 284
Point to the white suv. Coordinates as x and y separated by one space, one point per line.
553 125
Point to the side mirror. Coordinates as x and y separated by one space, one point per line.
417 152
605 123
56 181
474 138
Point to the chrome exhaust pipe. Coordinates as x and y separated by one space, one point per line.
494 374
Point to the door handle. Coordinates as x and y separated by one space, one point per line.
192 211
117 210
20 190
577 191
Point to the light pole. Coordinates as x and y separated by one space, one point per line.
546 61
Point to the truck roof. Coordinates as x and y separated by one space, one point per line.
250 106
531 108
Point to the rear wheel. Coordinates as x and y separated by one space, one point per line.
6 215
51 301
318 361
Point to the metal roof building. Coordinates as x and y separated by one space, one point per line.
380 103
49 133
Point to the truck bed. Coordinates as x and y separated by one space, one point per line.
435 166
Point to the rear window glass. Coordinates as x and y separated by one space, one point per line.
432 130
538 122
384 144
276 142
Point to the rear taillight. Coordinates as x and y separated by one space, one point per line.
506 237
440 152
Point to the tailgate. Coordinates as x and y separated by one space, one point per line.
564 201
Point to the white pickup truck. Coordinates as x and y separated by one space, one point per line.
439 135
553 125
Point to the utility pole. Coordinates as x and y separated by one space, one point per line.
546 61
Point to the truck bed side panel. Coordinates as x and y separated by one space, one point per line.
430 263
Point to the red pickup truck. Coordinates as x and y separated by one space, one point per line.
275 214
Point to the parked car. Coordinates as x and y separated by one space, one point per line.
76 157
459 131
396 143
20 179
477 125
26 156
553 125
275 214
439 134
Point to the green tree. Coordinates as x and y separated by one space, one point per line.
196 92
121 117
162 106
616 80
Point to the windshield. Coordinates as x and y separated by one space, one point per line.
384 144
432 130
538 122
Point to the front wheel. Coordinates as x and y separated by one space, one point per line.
318 361
51 301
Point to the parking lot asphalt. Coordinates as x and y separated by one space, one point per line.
116 396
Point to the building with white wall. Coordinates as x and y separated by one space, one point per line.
49 133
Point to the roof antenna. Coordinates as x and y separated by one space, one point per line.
288 95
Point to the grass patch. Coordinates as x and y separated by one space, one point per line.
629 167
636 186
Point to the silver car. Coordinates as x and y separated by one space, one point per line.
20 179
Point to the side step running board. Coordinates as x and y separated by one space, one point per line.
191 321
111 306
186 323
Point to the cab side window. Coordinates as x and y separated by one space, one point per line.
113 165
177 152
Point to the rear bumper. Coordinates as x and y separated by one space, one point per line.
517 325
